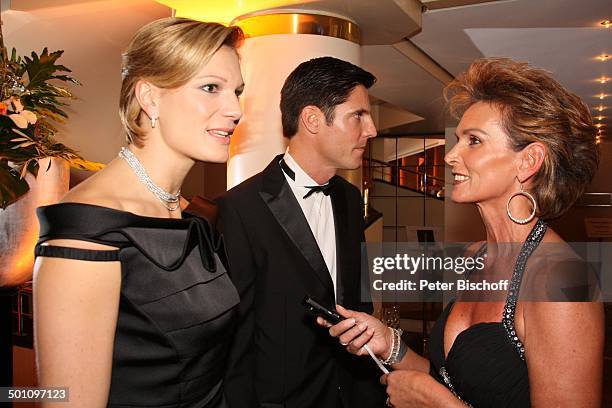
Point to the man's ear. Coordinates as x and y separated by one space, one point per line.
311 118
147 95
531 159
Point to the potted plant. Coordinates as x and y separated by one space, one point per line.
33 165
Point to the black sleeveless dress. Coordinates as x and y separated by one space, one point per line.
485 366
176 312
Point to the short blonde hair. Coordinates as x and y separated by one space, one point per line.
168 53
535 108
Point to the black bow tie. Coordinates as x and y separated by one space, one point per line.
325 188
315 189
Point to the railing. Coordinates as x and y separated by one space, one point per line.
403 176
595 200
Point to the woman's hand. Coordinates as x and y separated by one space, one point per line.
410 388
359 329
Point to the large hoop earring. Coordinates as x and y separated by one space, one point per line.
530 198
153 121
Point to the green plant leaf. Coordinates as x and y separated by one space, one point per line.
22 132
29 79
42 94
12 187
81 164
24 144
33 167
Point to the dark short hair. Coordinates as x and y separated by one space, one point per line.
323 82
535 108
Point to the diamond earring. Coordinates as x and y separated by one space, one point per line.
533 204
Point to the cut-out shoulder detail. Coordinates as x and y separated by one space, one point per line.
80 254
79 244
164 241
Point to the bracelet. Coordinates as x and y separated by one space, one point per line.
385 361
396 346
402 351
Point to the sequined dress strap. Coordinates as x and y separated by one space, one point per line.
532 242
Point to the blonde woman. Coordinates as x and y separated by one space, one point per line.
133 307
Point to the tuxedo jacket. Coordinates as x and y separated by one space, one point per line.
280 357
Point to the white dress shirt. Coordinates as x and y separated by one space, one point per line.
317 209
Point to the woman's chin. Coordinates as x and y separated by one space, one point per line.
460 199
212 156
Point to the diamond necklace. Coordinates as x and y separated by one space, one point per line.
169 200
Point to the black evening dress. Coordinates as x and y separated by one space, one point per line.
485 366
177 304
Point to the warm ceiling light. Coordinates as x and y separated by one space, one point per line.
600 108
602 95
603 57
606 23
598 125
224 11
600 117
603 80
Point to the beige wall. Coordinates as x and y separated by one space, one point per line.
93 36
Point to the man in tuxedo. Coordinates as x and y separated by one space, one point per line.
295 229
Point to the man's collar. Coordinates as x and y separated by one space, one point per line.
302 179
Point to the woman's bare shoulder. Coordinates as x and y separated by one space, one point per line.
114 187
102 188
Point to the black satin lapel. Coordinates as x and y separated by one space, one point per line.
340 208
289 215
